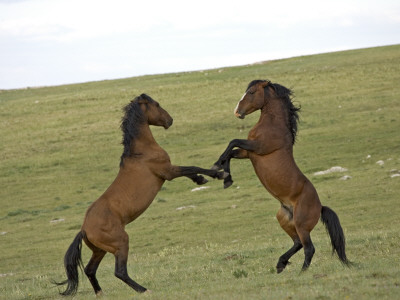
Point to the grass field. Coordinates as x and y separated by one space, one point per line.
60 149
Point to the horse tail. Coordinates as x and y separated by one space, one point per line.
72 260
331 221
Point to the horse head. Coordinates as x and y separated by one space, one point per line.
154 113
252 100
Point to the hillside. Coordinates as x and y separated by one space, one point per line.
60 149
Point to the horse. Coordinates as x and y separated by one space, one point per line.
144 167
269 147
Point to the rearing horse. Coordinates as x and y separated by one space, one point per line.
269 147
144 167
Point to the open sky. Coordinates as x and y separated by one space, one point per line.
52 42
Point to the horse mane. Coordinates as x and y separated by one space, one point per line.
254 82
286 95
130 122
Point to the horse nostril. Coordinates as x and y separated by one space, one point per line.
168 123
239 114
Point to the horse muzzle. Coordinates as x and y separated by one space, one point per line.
239 114
168 123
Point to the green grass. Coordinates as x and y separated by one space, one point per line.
60 149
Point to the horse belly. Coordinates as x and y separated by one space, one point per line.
136 195
141 199
279 175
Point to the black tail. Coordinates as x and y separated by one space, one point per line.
333 227
72 260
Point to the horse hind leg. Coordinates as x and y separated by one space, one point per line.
305 221
301 239
91 268
285 219
121 260
121 272
309 249
284 259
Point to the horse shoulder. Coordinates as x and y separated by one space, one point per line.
267 143
157 161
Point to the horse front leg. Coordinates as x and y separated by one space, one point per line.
238 154
199 179
247 145
224 161
192 172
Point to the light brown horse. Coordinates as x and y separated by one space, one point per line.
144 167
269 147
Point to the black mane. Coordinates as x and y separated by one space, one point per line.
286 95
130 124
254 82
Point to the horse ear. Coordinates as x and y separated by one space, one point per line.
265 83
142 99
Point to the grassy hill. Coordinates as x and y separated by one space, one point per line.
60 149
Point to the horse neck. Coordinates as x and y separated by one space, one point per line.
274 110
144 139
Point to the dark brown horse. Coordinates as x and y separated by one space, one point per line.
269 147
144 167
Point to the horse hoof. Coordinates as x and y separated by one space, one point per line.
281 266
203 181
303 269
99 294
227 184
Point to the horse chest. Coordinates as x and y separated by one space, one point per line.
159 156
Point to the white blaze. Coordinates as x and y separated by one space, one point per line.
237 106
